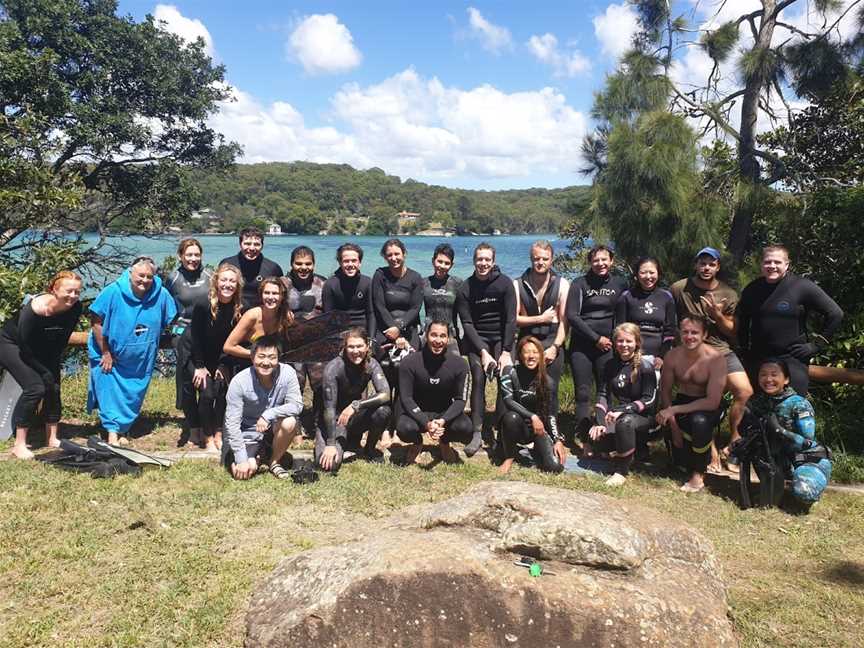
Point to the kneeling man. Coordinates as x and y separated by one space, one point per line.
432 386
263 403
347 415
699 372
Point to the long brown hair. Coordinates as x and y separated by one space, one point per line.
541 382
236 299
283 314
357 332
636 361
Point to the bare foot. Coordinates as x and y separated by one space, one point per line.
505 466
448 454
411 454
616 480
22 452
123 441
195 437
217 440
112 438
211 445
695 484
52 442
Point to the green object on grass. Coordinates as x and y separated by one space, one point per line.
535 569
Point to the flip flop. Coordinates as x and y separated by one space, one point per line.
715 470
279 472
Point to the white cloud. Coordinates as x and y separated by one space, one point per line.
615 29
545 49
493 37
189 29
323 45
418 127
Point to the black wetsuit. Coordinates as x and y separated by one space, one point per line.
518 386
487 310
31 349
635 398
397 302
305 299
433 386
344 383
591 315
439 301
352 295
772 321
189 289
654 313
253 273
204 339
546 333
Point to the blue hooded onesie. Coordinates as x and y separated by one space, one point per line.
131 328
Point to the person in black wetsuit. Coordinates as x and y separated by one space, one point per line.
305 299
189 285
432 386
590 314
772 318
209 368
626 399
347 414
541 310
486 302
530 416
31 349
439 292
651 308
253 264
350 291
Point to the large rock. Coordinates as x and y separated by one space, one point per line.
444 576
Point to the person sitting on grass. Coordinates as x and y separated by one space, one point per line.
530 416
630 380
699 372
263 403
432 387
790 423
347 415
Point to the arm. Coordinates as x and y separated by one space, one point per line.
233 417
621 310
381 386
464 308
670 326
601 407
818 300
371 324
742 321
505 383
406 395
383 318
563 296
509 319
667 381
412 315
240 334
573 312
102 343
293 403
327 296
457 407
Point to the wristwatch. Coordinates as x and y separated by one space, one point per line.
356 405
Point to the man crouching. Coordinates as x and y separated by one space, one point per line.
263 402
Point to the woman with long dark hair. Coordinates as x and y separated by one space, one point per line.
272 317
529 415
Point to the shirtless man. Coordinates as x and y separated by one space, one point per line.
541 311
699 373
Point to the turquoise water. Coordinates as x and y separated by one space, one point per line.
511 251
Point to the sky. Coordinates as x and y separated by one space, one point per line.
477 95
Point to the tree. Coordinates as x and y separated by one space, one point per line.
101 120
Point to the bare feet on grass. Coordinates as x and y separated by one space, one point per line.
505 466
22 452
695 484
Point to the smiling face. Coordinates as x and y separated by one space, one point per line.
349 262
303 267
67 292
772 380
141 278
441 265
541 260
437 338
265 361
707 268
226 285
356 349
692 333
601 262
647 275
775 264
484 261
250 247
530 356
395 257
271 296
625 345
191 258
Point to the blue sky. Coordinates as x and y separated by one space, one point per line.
481 95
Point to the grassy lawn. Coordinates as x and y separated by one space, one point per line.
170 558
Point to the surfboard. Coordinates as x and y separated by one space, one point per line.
10 391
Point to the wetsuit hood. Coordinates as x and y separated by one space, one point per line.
124 283
494 273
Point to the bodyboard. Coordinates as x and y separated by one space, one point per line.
317 339
10 392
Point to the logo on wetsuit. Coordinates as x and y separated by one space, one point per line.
600 292
648 308
140 329
434 381
359 294
622 380
784 306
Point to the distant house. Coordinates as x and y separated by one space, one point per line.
407 216
274 229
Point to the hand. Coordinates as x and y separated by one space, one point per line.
345 415
550 354
505 360
611 417
401 343
596 432
435 428
199 378
262 425
485 358
665 415
328 457
604 343
219 375
392 333
560 451
107 362
549 316
244 470
713 309
537 425
658 362
803 350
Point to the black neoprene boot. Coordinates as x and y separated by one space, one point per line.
475 444
543 453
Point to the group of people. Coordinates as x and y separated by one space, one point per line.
646 361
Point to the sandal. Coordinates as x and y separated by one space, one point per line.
279 472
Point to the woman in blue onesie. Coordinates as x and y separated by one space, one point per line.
128 318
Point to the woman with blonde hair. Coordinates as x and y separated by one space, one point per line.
209 369
626 398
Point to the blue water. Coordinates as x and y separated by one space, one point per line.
511 251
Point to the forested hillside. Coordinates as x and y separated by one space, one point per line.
308 198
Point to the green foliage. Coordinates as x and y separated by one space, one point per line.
720 42
638 86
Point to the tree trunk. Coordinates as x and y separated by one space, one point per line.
836 375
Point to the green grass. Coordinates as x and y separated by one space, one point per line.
171 557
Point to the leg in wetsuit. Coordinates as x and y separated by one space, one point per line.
478 392
622 436
586 365
514 431
458 430
698 430
371 420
